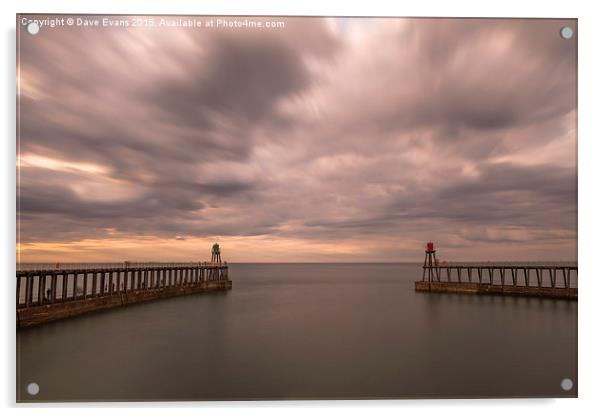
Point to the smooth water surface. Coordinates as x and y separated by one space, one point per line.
307 331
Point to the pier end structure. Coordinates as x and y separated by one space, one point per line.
216 254
550 280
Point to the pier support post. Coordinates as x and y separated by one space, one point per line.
41 289
85 285
65 283
102 283
74 290
28 289
18 290
52 287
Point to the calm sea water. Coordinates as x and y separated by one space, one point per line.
307 331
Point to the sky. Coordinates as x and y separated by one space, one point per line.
326 140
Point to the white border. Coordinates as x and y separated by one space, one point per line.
590 207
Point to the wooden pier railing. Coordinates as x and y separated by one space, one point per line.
555 280
48 294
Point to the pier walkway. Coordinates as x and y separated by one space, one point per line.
551 280
47 294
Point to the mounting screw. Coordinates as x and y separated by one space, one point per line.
33 28
33 389
566 32
566 384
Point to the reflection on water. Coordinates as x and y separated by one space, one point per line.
301 331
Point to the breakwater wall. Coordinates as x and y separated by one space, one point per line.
47 295
549 280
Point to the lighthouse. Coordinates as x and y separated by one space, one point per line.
216 254
430 260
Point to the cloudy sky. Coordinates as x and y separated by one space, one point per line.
323 140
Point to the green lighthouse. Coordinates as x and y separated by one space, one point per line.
216 254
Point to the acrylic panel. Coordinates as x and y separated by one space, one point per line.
285 208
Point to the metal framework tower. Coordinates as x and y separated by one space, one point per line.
430 260
216 254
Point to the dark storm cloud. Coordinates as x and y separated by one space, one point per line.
502 194
87 111
520 82
239 78
379 129
59 200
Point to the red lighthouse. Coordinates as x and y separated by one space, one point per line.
430 247
430 260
